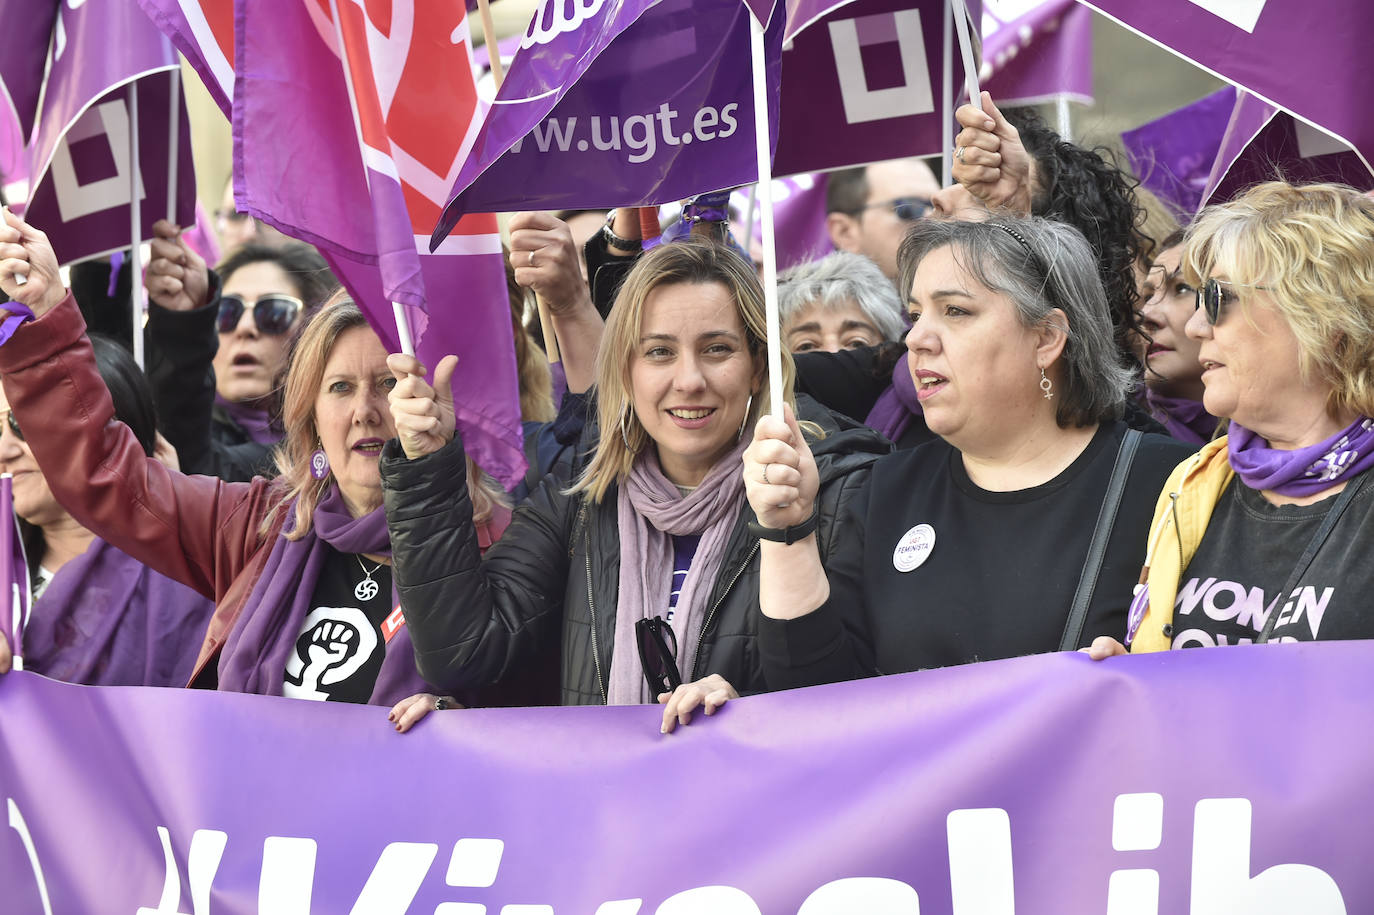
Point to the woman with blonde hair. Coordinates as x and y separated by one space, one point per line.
641 570
298 567
1264 535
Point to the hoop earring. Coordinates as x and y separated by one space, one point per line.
625 432
1046 385
748 405
319 462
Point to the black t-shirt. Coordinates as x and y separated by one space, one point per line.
1251 547
1004 566
340 647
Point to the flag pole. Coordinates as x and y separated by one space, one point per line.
173 144
763 147
16 579
135 229
749 216
966 51
947 97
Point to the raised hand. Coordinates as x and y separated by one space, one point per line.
546 260
28 266
780 477
176 278
993 165
423 415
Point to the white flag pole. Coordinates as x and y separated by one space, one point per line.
765 189
750 214
135 228
966 51
947 96
173 144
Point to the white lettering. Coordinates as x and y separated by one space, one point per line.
1314 608
600 142
18 825
727 120
705 123
396 879
980 872
556 17
1191 594
1221 613
1137 821
1133 892
288 876
870 895
644 144
718 900
202 863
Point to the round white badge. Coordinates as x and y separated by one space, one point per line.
914 548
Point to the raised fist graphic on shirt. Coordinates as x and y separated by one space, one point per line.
333 644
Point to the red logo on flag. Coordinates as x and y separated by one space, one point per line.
392 624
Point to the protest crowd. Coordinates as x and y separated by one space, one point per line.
1035 410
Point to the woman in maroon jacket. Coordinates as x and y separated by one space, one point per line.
299 567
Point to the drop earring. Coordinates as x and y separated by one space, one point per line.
625 431
748 405
1046 385
319 462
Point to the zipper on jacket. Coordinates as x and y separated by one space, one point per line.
1178 531
591 608
706 626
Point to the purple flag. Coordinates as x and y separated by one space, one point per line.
203 31
1309 57
1036 786
861 82
633 103
28 30
1037 52
1173 155
798 219
15 602
83 179
348 134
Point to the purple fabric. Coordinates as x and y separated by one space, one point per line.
1187 420
1323 46
14 601
651 511
985 789
106 619
799 230
252 420
1305 471
612 110
203 31
1174 154
862 83
255 653
892 413
18 314
79 158
367 196
27 28
1039 54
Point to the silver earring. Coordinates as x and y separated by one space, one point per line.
625 431
748 405
319 462
1046 385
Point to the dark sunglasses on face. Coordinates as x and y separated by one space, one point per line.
907 209
1210 297
274 314
13 424
657 656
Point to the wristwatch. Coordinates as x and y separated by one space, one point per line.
787 535
614 240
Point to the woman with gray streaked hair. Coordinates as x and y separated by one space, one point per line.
1020 530
839 302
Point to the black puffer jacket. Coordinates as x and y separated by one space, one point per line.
547 592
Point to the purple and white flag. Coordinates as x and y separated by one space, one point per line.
1035 786
350 124
203 31
84 180
1173 155
1036 51
633 103
28 31
1308 57
861 82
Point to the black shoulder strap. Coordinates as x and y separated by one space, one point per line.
1097 549
1327 525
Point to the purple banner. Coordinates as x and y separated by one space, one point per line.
348 134
1174 154
14 573
28 29
1035 51
1230 780
203 31
633 103
1309 57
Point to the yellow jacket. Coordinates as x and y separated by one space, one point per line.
1181 516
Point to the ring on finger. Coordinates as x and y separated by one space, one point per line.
531 258
765 476
959 153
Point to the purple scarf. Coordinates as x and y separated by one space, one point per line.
1306 471
892 413
263 637
651 512
1187 420
108 620
257 423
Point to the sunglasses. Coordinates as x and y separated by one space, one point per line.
907 209
657 656
1210 297
274 314
13 424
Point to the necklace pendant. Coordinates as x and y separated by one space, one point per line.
366 590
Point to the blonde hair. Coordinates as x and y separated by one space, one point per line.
1312 249
691 260
309 355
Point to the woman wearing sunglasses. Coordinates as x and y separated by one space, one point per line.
298 566
99 616
239 320
656 525
1265 534
1020 529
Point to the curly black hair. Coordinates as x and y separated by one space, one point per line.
1086 189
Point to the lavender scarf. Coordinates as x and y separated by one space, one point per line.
1305 471
895 407
108 620
263 637
1187 420
257 423
651 512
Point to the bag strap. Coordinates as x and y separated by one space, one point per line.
1097 549
1328 524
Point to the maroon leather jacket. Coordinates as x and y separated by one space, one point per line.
199 531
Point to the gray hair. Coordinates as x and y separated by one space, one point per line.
835 278
1040 265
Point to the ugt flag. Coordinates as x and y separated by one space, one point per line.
351 121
